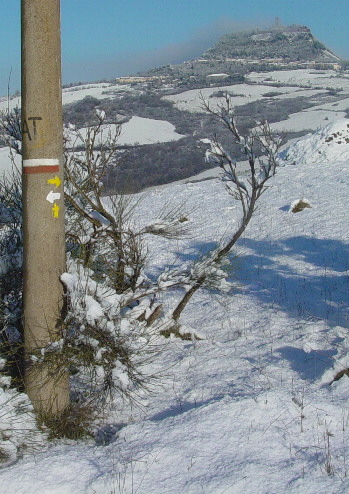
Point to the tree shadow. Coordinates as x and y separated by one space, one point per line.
304 276
196 250
181 408
309 365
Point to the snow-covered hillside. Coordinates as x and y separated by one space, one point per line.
299 100
73 94
138 131
250 408
329 143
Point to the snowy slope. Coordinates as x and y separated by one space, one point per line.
313 118
329 143
249 409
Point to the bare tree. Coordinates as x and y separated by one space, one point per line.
246 190
93 220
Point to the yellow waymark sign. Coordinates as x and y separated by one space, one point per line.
54 181
55 210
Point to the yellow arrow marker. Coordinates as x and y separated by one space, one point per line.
54 181
55 210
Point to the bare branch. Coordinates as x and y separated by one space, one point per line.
261 169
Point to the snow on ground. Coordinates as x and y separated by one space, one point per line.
328 143
72 94
249 409
100 91
241 94
310 119
340 105
304 78
147 131
13 103
139 130
5 161
314 117
136 131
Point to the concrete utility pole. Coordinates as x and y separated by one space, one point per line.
43 201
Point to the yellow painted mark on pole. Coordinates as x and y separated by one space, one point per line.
55 210
54 181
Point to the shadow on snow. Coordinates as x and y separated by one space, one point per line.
308 365
319 292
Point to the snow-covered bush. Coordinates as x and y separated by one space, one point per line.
111 301
111 304
11 271
11 244
18 430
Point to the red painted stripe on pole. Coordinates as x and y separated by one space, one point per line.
28 170
40 165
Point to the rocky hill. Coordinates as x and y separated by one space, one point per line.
236 54
291 43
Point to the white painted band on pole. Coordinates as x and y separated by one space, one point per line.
41 162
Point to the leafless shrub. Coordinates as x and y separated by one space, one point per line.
245 190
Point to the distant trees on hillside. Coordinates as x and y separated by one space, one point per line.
158 163
154 164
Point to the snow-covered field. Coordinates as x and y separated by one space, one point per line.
101 90
138 130
250 408
314 117
307 119
241 94
299 83
304 77
302 82
147 131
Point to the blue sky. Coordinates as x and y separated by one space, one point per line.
107 38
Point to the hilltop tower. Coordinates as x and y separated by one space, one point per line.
277 24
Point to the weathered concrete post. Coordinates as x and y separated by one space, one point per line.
43 201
